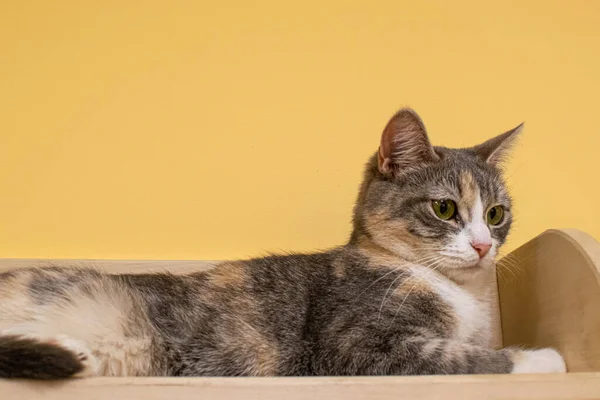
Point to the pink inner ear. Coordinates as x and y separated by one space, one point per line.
404 143
385 163
388 137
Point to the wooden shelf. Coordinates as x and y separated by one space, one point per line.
481 387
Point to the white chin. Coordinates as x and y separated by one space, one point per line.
466 273
469 267
473 269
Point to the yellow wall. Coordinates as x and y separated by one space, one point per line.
223 129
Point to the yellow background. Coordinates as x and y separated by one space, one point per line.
220 129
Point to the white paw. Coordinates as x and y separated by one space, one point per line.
544 361
83 354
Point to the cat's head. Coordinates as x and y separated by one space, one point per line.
448 209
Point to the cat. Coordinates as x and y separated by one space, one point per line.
405 296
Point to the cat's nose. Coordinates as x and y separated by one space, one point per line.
481 248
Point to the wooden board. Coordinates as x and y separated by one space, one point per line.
113 266
546 387
553 299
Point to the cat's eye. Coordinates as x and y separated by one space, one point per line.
495 215
444 209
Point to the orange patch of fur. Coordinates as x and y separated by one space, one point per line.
227 274
386 231
469 190
413 285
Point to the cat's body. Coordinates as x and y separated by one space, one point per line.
402 297
280 315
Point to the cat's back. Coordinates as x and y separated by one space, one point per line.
238 318
277 289
252 316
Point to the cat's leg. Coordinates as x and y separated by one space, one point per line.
443 356
27 353
452 357
425 356
58 323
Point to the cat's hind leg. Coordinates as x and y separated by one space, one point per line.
58 323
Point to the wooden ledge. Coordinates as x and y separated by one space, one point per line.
552 386
551 298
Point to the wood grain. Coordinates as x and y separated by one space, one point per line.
530 387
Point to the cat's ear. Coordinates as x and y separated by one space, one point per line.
404 143
495 150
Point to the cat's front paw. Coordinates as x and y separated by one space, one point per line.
544 361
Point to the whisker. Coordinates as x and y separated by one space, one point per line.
410 291
435 261
388 290
377 280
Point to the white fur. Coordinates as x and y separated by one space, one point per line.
474 231
473 316
90 363
542 361
96 325
477 228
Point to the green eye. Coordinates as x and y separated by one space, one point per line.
444 209
495 215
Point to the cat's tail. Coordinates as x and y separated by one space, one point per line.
23 357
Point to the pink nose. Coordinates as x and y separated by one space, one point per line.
481 248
